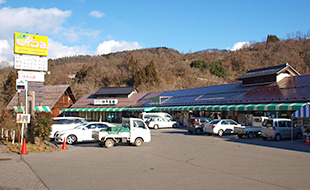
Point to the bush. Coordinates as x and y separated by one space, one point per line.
199 64
216 68
40 126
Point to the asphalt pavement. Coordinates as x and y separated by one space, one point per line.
173 160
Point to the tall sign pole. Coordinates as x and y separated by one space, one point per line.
36 47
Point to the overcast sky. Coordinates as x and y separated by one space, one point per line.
89 27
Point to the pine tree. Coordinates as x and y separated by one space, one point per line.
9 86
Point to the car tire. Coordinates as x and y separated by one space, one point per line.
109 143
174 126
264 138
198 131
277 137
71 139
221 132
250 135
138 142
190 132
156 126
240 136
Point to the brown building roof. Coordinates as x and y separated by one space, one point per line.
88 101
52 93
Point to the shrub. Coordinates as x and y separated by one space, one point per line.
41 126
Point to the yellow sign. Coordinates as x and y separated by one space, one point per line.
30 44
23 118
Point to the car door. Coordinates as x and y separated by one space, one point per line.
160 122
139 129
283 129
166 122
87 132
224 125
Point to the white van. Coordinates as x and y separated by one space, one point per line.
146 116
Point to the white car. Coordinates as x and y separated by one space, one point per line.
65 123
81 133
160 122
220 126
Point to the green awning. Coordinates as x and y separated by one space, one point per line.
109 109
237 107
140 109
20 109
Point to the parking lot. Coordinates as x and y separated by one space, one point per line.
173 160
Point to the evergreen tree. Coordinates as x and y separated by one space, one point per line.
9 86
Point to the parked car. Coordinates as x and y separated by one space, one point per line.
252 130
81 133
280 128
64 123
220 126
160 122
195 124
148 115
133 131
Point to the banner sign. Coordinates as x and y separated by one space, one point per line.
30 44
105 101
31 76
23 118
30 62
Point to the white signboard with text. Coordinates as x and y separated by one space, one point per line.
30 62
31 76
105 102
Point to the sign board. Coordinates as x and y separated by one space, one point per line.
21 84
23 118
31 76
98 102
30 63
30 44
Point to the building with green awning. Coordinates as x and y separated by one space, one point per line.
275 91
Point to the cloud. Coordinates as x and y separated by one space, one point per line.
96 14
240 45
42 21
2 1
6 52
115 46
47 22
58 50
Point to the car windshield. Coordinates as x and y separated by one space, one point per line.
80 126
215 121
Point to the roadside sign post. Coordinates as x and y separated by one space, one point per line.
24 119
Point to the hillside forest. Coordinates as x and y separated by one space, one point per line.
165 69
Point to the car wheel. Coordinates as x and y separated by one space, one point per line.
55 134
174 126
250 135
240 136
198 131
138 142
109 143
264 138
71 139
221 132
298 136
277 137
190 132
156 126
